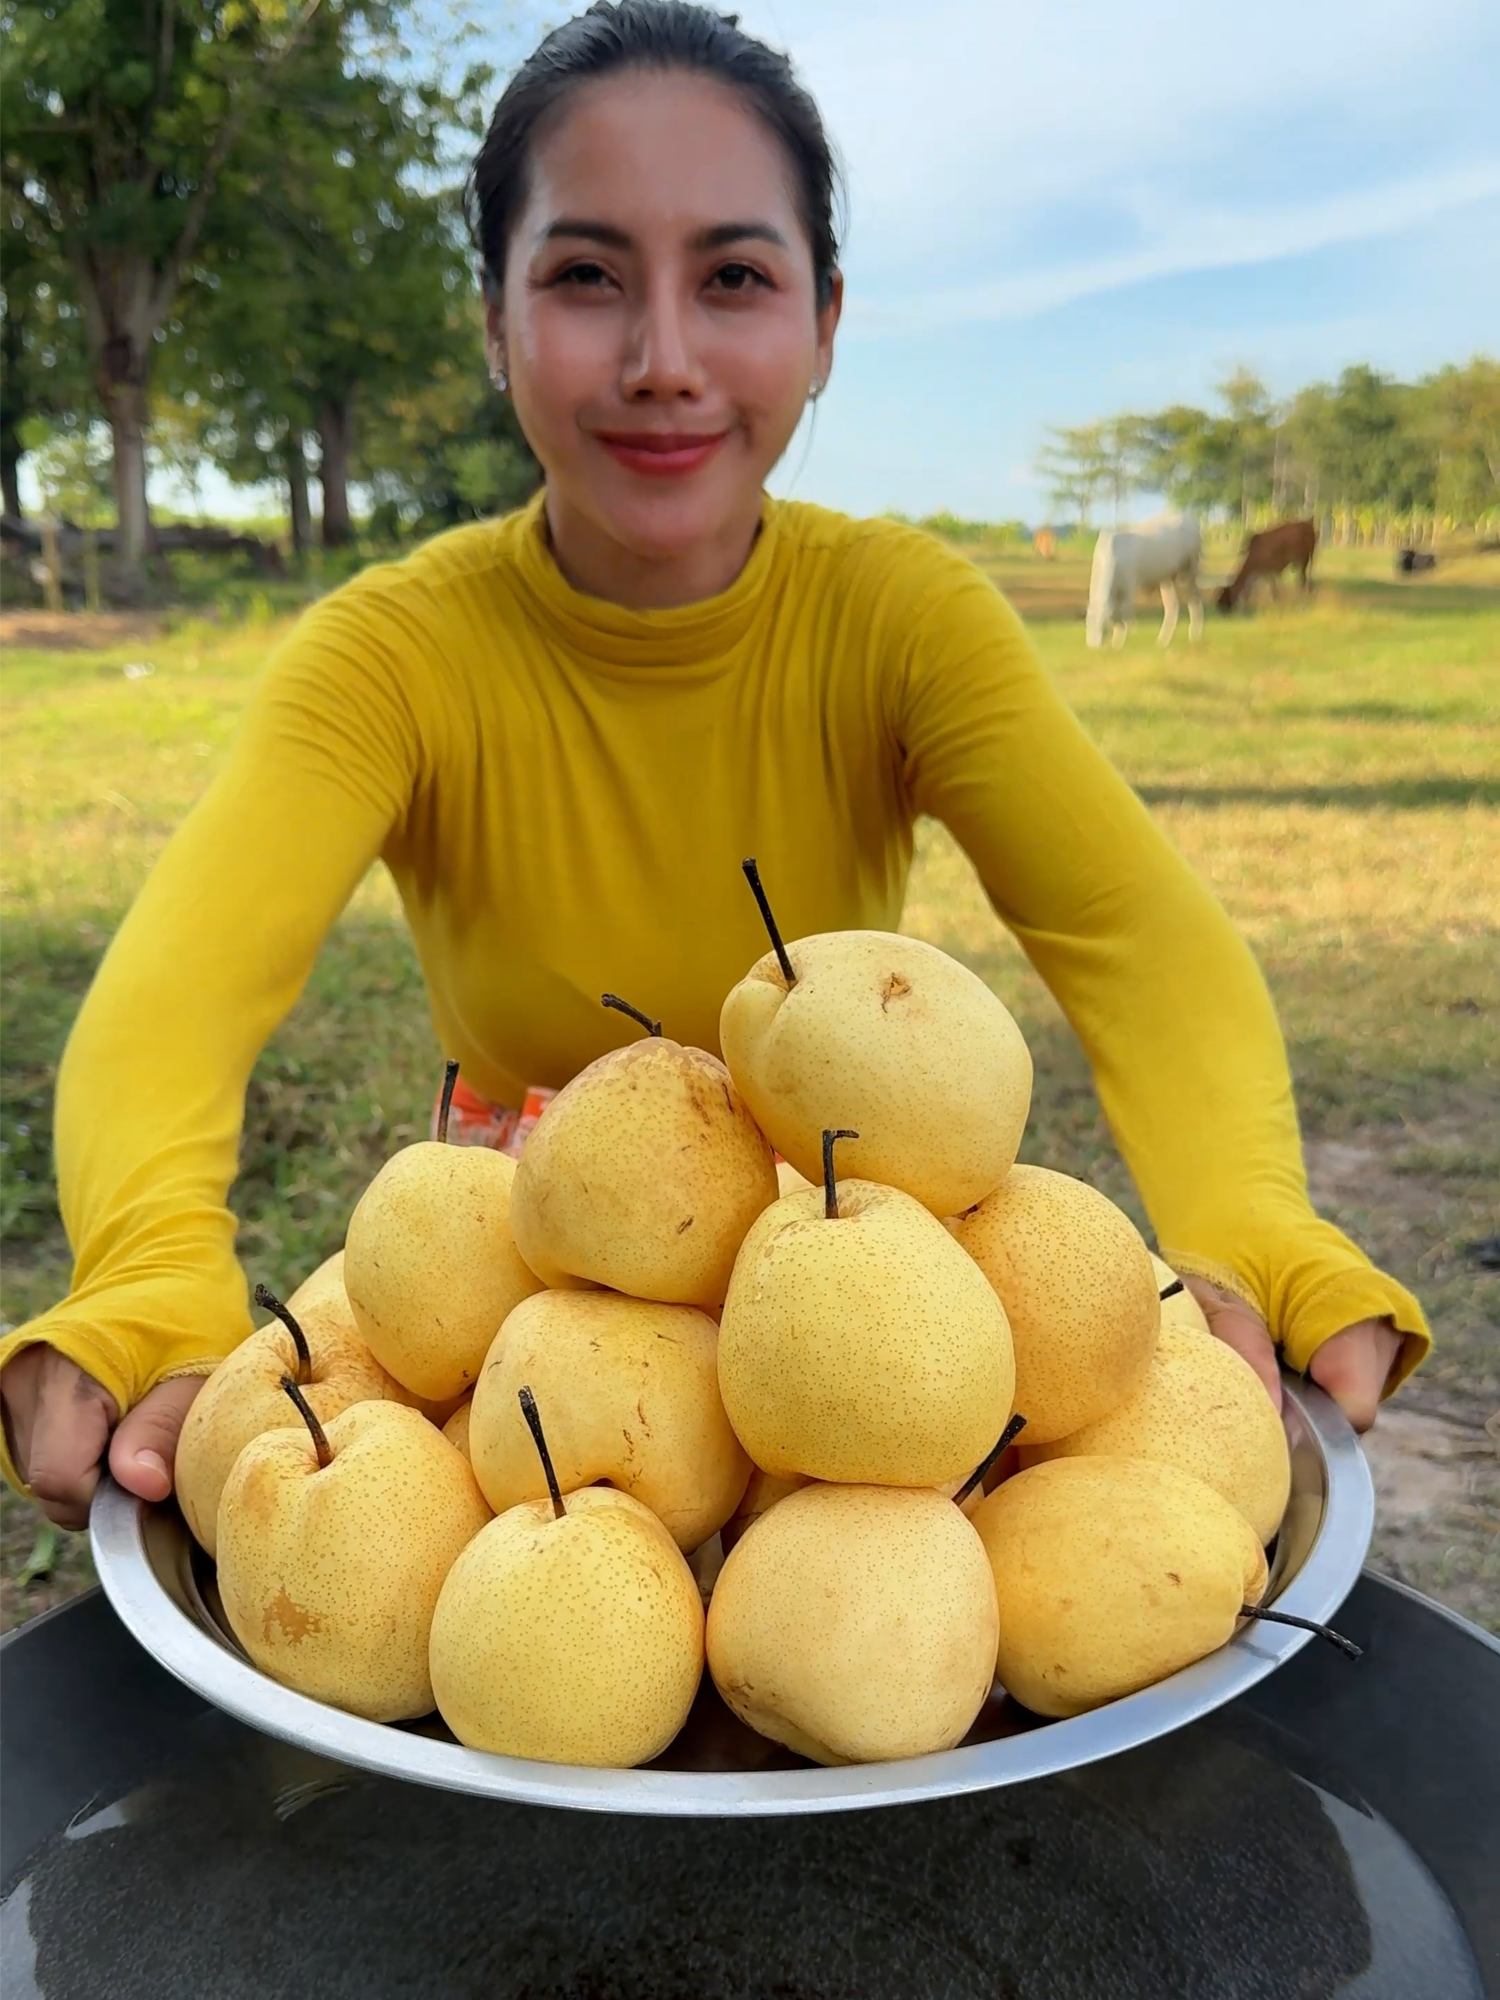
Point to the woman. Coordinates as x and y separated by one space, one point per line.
563 730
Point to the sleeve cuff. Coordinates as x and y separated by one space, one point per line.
1340 1300
99 1357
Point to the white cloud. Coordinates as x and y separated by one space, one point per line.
965 123
1207 239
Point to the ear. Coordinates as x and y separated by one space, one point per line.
827 324
494 333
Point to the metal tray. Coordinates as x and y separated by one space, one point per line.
162 1588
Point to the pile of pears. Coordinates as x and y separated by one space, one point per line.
718 1373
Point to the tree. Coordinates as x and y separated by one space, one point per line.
1089 461
43 379
449 450
1462 410
334 275
119 118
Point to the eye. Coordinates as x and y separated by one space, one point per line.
739 278
586 277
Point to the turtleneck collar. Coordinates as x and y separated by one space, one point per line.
688 640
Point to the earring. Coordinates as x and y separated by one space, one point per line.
816 390
499 378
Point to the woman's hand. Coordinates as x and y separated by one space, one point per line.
58 1422
1352 1366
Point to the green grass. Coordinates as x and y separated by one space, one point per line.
1332 767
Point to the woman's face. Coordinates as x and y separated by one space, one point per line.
659 323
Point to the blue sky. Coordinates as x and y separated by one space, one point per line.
1064 209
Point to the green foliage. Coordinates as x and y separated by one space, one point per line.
1368 454
953 528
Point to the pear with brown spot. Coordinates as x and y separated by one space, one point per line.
333 1547
431 1265
856 1622
893 1039
643 1174
1110 1574
569 1631
1201 1407
1076 1282
860 1343
318 1347
633 1394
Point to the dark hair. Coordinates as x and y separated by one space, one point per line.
618 35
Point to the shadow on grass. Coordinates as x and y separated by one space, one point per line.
1391 794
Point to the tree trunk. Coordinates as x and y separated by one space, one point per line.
121 312
125 402
299 507
336 436
10 468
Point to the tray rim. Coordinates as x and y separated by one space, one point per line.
117 1532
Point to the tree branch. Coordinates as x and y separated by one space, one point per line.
165 288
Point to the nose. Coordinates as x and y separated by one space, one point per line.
660 361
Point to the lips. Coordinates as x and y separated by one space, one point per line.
662 454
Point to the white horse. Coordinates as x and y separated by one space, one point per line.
1163 554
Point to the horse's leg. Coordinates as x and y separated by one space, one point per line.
1169 613
1120 633
1195 608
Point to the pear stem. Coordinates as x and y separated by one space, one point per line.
1005 1440
1305 1625
1172 1290
267 1300
445 1102
624 1007
534 1424
319 1436
752 876
830 1185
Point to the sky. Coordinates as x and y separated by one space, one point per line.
1059 211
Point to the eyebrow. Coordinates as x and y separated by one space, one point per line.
719 237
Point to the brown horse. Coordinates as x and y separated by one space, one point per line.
1289 545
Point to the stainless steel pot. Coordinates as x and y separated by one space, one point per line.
162 1589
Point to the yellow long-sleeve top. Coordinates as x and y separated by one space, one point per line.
563 791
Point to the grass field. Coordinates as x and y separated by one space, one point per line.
1332 767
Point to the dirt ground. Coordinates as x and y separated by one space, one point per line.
1435 1451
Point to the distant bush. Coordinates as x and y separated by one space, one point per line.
953 528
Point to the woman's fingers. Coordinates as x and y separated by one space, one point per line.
1353 1367
1239 1326
145 1445
59 1421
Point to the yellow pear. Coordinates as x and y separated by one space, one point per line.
892 1039
569 1630
1110 1574
332 1551
1178 1306
865 1347
1076 1282
456 1430
326 1282
325 1293
643 1174
759 1497
632 1395
855 1623
244 1397
1201 1407
430 1265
